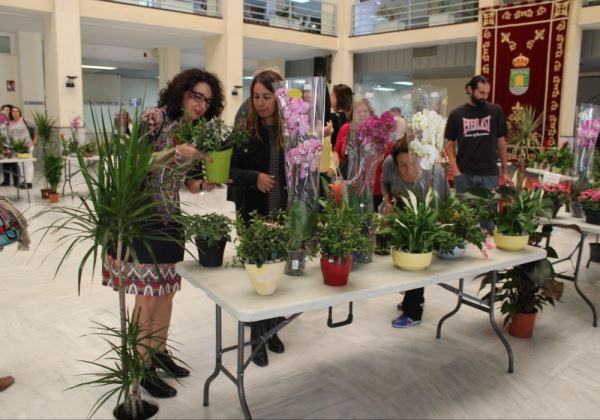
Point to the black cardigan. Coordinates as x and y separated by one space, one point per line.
247 162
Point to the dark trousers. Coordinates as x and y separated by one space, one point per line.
10 169
412 305
377 199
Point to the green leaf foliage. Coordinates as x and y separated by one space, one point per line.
262 239
212 228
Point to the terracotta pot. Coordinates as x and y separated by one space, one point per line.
266 278
509 242
336 272
411 262
521 325
53 197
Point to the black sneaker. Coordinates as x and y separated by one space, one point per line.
165 362
25 186
156 386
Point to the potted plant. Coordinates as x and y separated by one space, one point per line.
518 217
262 248
413 231
116 210
555 195
44 125
523 134
53 166
556 159
211 232
590 202
462 225
339 234
20 148
521 293
88 149
218 140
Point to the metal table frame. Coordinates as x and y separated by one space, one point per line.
243 363
20 174
68 171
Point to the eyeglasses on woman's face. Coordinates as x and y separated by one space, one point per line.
200 98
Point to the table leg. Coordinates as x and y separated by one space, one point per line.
497 330
70 176
241 367
24 182
218 356
454 311
67 162
576 280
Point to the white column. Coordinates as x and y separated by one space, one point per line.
275 63
342 63
62 55
31 72
169 64
225 55
570 77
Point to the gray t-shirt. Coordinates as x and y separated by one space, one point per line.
392 184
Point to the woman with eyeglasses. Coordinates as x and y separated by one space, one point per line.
258 175
195 94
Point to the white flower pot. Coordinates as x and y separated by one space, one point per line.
266 278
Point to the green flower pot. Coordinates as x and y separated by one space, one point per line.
217 171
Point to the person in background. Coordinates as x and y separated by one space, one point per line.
199 94
341 104
258 177
19 129
400 122
475 133
7 168
402 173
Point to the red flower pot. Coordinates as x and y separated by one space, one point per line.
336 272
521 325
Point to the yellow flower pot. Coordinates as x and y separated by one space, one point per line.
266 278
510 243
411 262
23 155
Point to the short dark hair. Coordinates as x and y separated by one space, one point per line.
172 96
6 105
400 146
476 80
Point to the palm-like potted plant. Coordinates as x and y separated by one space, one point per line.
523 136
339 235
218 140
521 293
462 225
53 166
20 148
262 248
518 217
414 230
116 210
44 125
211 232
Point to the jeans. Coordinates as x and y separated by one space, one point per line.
464 183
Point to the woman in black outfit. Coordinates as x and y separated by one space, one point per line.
258 175
341 103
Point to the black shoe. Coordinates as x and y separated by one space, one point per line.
25 186
156 386
164 361
399 307
5 183
260 358
274 343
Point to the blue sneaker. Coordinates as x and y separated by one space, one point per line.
404 322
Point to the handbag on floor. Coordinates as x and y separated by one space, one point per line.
10 230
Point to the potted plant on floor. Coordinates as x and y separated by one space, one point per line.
116 210
462 225
339 234
414 230
590 202
518 217
44 126
262 248
218 140
53 167
521 293
211 232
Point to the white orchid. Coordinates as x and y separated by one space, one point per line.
428 127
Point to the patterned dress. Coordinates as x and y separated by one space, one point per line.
148 278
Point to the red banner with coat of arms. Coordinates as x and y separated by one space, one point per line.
523 48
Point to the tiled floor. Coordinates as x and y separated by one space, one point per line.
365 370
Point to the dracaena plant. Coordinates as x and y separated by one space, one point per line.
414 227
262 239
116 209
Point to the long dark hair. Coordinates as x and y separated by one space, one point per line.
10 116
343 98
173 95
267 78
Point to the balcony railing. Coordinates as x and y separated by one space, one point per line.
314 16
379 16
197 7
591 3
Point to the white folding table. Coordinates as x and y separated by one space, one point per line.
20 173
231 290
69 174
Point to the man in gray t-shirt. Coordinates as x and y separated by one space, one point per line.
402 172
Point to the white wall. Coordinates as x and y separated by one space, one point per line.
9 70
454 87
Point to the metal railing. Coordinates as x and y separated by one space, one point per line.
315 16
210 8
379 16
